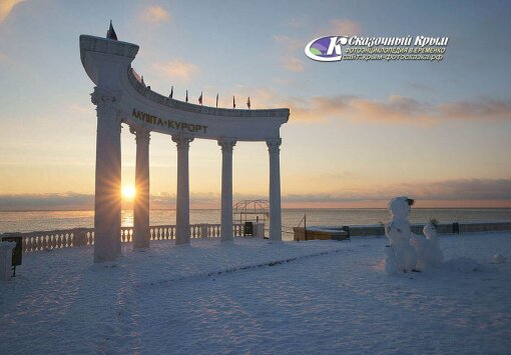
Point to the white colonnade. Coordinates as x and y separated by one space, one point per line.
121 96
107 218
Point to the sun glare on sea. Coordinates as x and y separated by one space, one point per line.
128 192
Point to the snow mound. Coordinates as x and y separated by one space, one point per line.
498 259
464 264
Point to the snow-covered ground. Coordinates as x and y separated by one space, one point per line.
327 297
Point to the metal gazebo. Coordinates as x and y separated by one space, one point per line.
252 211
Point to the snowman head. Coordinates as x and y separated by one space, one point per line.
399 207
429 231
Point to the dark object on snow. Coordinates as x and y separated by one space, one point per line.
248 229
17 252
456 228
347 230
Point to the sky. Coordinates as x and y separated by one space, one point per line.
359 133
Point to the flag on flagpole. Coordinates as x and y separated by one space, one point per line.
110 34
233 102
248 102
217 100
171 92
200 98
186 98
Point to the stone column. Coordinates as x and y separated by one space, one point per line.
183 190
227 145
141 232
275 207
107 203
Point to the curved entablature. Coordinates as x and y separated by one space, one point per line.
108 64
206 110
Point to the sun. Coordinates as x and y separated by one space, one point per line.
128 192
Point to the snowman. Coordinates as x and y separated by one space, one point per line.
400 254
428 249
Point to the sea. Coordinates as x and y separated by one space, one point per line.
27 221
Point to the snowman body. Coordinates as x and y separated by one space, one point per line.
401 256
428 248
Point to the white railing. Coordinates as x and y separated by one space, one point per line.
66 238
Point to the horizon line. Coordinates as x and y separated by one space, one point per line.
284 208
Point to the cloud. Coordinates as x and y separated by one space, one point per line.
396 109
420 87
447 190
155 15
339 176
487 109
289 49
50 201
176 69
298 22
81 109
462 189
260 97
457 191
293 64
288 43
343 27
448 193
6 7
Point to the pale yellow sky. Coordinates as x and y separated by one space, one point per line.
359 132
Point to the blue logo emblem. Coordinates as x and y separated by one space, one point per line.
326 49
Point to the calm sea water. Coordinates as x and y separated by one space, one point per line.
51 220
